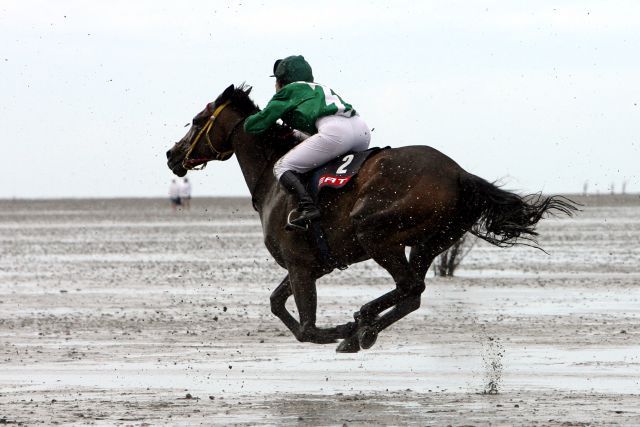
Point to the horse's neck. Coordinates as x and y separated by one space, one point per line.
256 166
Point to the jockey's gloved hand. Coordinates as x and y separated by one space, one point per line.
283 133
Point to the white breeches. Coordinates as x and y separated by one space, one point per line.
336 135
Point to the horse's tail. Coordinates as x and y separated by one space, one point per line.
504 218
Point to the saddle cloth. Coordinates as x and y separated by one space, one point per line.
338 172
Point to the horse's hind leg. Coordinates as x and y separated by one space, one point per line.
404 299
395 262
408 300
420 259
423 254
408 294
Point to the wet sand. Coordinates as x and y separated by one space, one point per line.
124 312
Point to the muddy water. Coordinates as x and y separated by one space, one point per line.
124 312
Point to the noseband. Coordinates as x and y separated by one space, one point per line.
192 164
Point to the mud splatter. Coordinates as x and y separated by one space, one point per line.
492 359
492 353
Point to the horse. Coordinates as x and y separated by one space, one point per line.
408 197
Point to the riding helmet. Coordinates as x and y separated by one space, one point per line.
292 69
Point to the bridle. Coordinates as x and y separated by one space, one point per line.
200 163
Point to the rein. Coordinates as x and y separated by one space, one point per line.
192 164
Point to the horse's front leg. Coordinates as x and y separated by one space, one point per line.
307 308
278 301
303 287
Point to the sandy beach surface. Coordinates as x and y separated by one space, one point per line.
123 312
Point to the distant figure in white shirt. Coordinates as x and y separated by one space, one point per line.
174 194
185 193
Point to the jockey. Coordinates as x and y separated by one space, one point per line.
326 125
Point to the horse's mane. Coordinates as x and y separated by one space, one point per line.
240 100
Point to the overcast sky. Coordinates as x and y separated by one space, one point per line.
542 95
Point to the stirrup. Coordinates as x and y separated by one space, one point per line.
292 226
302 219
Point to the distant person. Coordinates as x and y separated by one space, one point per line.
174 194
185 193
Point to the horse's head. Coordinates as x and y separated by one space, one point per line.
209 137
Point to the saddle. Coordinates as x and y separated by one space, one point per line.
338 172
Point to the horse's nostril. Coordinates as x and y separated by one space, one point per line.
168 154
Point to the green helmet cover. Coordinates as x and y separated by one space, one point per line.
293 69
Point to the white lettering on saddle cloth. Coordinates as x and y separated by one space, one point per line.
332 181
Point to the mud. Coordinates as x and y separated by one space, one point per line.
122 312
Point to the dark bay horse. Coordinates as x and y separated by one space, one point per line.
402 197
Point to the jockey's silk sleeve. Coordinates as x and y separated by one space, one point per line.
263 120
299 105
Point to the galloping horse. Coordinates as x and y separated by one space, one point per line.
402 197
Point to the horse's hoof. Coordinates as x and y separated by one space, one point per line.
367 337
349 345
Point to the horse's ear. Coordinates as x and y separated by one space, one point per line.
228 92
248 91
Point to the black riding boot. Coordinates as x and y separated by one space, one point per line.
307 208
